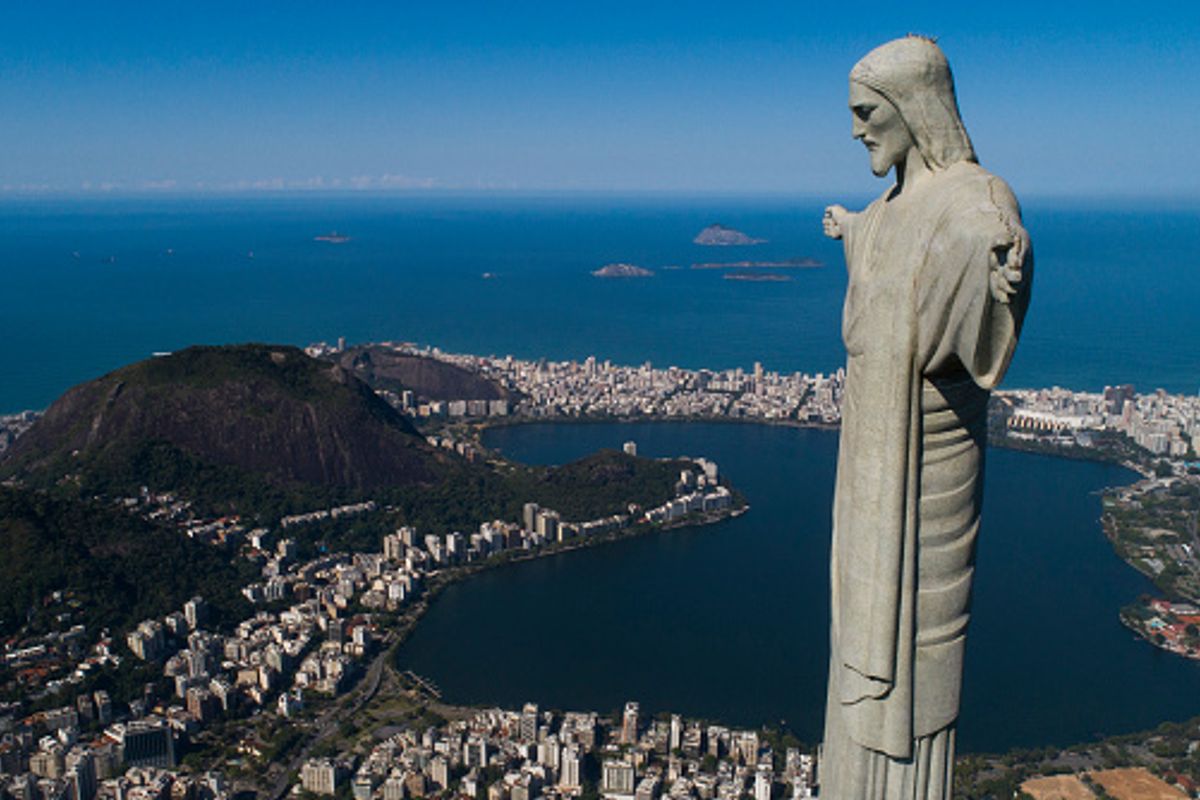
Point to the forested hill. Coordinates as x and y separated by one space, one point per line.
270 412
111 568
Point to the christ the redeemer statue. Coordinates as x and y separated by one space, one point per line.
940 270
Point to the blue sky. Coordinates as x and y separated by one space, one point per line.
1061 98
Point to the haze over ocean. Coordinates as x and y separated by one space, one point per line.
94 284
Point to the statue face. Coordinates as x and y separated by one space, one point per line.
880 127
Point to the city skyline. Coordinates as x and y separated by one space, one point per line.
117 98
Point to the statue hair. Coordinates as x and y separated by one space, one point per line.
914 75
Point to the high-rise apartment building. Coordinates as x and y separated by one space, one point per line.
629 724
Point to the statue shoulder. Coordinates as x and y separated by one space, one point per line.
978 203
972 186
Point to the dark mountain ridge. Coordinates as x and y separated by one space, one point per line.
270 411
430 379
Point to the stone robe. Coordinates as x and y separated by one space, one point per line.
925 343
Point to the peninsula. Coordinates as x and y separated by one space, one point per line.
1153 526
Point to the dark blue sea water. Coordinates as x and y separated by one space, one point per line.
1115 300
728 621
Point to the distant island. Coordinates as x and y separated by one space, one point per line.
333 237
790 263
721 236
622 271
773 277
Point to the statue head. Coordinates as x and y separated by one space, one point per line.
901 95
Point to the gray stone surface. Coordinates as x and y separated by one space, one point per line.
940 268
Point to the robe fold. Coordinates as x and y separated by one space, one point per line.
925 343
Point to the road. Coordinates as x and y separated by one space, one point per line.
331 720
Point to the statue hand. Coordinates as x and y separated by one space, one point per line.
835 215
1006 259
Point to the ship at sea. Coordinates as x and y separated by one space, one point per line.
333 237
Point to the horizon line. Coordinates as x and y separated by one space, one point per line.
34 195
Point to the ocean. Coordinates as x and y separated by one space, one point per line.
90 285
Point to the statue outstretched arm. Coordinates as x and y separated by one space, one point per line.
837 221
975 292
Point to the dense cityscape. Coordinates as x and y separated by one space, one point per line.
1159 423
317 647
324 627
531 753
321 627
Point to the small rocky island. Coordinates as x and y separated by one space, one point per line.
720 236
791 263
622 271
757 277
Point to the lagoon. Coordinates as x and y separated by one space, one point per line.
729 622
